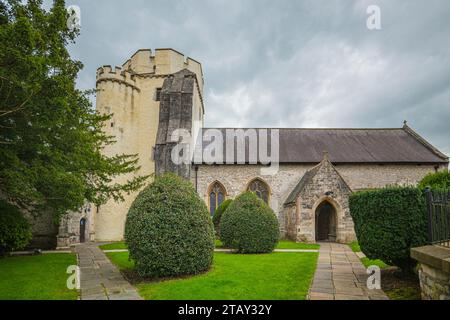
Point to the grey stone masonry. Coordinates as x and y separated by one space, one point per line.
321 184
340 275
175 114
434 271
100 279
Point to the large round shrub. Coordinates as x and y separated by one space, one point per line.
15 231
218 215
389 222
168 230
249 225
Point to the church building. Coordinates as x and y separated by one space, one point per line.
156 95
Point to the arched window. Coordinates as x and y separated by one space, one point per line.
260 188
216 196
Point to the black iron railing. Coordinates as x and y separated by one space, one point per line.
438 207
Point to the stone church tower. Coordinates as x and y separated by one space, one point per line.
138 94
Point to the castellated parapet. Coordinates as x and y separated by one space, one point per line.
106 73
144 64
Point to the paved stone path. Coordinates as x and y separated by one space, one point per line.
340 275
100 279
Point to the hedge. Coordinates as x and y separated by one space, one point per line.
168 230
15 231
389 222
218 215
249 225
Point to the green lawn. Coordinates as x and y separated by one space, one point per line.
287 244
236 276
354 246
377 262
366 261
40 277
114 246
283 244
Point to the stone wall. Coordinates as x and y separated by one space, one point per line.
235 179
434 283
367 176
44 229
69 226
434 271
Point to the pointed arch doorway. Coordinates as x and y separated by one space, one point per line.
325 222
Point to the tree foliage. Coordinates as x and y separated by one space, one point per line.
15 231
51 138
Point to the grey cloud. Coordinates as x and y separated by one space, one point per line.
291 63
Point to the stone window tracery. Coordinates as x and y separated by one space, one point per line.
216 196
260 188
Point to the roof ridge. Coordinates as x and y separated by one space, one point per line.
303 128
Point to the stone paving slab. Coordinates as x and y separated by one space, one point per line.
321 296
340 275
100 279
360 254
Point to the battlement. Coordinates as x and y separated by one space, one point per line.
143 63
106 73
162 62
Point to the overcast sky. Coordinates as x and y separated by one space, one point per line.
291 63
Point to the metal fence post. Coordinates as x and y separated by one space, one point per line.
429 199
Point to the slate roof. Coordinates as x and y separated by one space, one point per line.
399 145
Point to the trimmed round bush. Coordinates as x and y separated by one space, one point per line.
389 222
15 231
249 225
218 215
168 230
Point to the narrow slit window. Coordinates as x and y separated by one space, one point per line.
158 94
